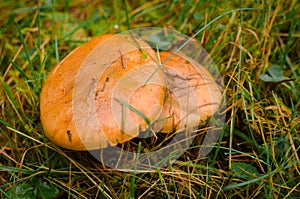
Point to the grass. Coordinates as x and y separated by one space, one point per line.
258 152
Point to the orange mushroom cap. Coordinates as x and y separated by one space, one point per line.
80 108
192 96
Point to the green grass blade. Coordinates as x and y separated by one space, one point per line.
23 74
28 58
206 26
127 15
133 178
14 169
134 110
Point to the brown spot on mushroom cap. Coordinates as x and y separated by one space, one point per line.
194 95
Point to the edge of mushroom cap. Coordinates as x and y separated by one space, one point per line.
57 93
210 89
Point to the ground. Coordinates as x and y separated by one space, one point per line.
254 44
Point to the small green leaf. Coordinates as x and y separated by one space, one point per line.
275 71
244 171
144 55
44 190
275 75
266 78
198 17
22 191
280 78
36 189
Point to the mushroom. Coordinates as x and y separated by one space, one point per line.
108 90
192 96
83 100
